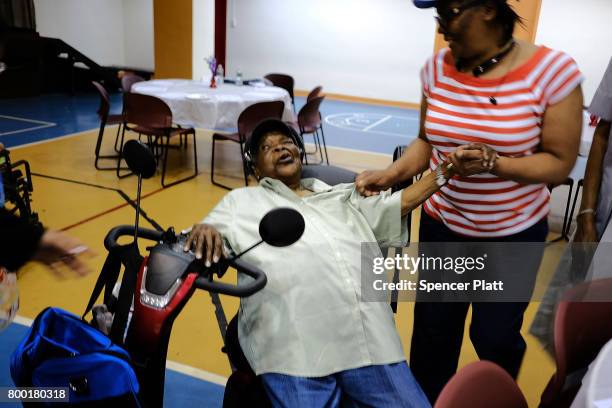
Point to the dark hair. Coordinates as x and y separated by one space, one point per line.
506 17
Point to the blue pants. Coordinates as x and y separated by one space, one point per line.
379 386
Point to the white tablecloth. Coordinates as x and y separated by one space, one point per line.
194 103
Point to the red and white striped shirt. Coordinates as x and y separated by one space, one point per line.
460 112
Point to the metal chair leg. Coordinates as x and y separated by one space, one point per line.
165 163
212 168
567 207
563 236
119 168
105 157
571 214
195 152
117 137
324 144
318 142
212 162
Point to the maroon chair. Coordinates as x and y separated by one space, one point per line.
582 327
481 384
150 116
248 119
128 80
314 93
105 119
283 81
310 123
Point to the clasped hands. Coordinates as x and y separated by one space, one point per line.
467 160
473 158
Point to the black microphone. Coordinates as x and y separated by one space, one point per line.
280 227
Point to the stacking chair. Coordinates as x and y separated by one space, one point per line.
481 385
106 119
128 80
150 116
331 175
582 327
310 122
314 93
283 81
248 119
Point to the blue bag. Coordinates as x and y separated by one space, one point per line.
61 350
1 192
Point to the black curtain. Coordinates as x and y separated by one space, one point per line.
17 14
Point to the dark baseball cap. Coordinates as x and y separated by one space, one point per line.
424 3
433 3
268 126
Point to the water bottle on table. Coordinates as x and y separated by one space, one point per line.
239 78
220 74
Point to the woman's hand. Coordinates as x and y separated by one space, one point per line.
586 231
474 158
58 250
205 238
372 182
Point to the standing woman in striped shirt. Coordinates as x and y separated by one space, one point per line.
508 115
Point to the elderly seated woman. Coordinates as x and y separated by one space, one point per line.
308 334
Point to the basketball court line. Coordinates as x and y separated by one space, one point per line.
348 149
373 125
360 122
123 195
53 139
41 124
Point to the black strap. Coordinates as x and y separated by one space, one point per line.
128 256
106 280
131 259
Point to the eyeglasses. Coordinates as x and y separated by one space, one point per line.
445 17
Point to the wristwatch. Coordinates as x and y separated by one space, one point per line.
443 173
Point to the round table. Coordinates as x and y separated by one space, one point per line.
195 104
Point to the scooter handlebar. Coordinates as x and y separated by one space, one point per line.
260 280
204 281
128 230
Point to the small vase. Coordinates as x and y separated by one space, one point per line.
213 82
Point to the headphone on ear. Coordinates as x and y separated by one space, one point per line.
250 156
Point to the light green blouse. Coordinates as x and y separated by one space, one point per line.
310 319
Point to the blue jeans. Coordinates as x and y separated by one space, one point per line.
380 386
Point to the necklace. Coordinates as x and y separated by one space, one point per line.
492 98
490 63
